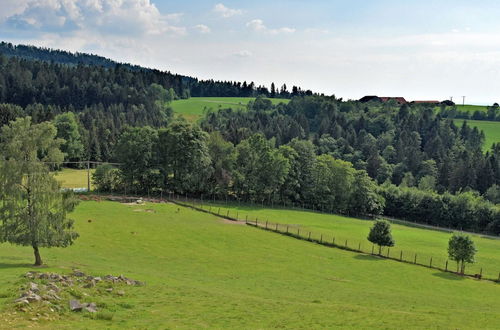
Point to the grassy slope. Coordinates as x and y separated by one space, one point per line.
426 243
193 108
491 130
201 272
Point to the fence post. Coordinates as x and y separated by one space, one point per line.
237 215
227 214
401 256
359 247
287 229
321 239
333 242
276 226
446 266
481 273
345 243
266 224
256 222
388 252
372 248
309 236
246 218
430 263
298 232
415 261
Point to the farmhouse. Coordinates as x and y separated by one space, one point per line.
383 99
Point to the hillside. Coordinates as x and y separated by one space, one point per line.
201 271
195 108
491 131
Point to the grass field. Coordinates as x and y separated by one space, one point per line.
193 108
491 130
74 178
424 242
202 272
471 108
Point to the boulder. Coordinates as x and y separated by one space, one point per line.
91 308
75 306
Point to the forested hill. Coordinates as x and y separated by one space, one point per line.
184 86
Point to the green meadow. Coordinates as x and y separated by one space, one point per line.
204 272
73 178
425 243
491 130
195 107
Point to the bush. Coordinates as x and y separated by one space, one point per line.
106 178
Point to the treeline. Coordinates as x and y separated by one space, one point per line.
30 74
183 159
492 113
409 146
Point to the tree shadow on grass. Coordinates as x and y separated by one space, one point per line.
15 265
449 276
368 257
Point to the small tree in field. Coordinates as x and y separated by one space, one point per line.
33 209
462 250
380 234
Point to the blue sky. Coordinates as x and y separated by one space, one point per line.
416 49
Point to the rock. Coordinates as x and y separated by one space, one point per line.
78 273
97 279
53 287
120 292
75 306
92 307
33 287
139 201
32 297
109 290
30 275
22 301
90 284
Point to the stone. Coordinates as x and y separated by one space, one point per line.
75 306
32 297
78 273
33 287
22 301
90 284
97 279
92 307
109 290
120 292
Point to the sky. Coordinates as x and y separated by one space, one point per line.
421 50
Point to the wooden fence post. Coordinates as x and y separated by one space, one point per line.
237 215
333 242
246 219
218 212
401 256
266 224
227 214
321 239
276 226
388 252
309 236
430 263
298 232
256 222
359 247
287 229
345 243
446 266
415 260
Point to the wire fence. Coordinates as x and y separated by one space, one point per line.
331 240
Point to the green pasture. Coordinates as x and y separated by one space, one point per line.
73 178
491 130
195 107
203 272
425 243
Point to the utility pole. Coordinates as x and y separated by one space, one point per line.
463 100
88 175
451 98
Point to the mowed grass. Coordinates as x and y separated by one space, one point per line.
74 178
201 272
491 130
425 243
195 107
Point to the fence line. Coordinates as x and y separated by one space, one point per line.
321 239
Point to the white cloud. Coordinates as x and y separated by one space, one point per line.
257 25
107 16
243 53
225 11
202 28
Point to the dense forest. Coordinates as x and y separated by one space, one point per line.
321 152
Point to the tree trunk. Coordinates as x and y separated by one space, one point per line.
38 258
